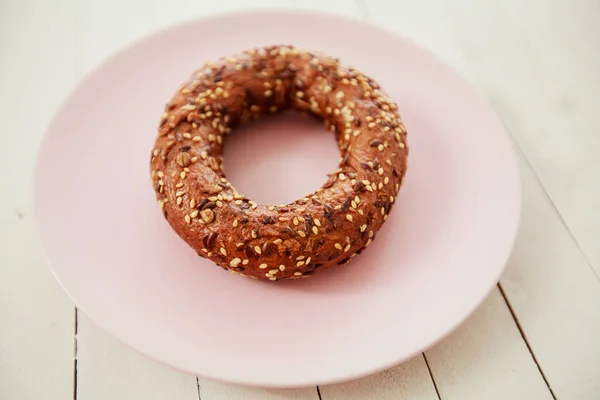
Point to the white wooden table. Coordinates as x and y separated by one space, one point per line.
537 336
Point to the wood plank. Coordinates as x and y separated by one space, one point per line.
486 358
36 317
341 7
408 381
107 369
556 297
213 390
558 120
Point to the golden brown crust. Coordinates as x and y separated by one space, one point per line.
327 227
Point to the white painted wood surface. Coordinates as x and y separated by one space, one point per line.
538 62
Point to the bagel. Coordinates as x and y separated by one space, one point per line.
327 227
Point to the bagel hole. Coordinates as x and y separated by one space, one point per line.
279 159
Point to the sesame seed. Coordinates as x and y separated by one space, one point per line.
301 219
245 262
297 273
299 263
277 241
401 145
268 93
392 199
213 198
235 223
347 247
268 275
368 242
361 212
203 155
161 204
380 147
192 203
308 261
353 204
380 171
337 207
235 262
363 228
187 219
223 251
295 221
182 175
386 180
339 95
300 258
207 215
257 250
299 94
179 201
194 213
187 135
301 234
282 267
262 266
273 271
254 234
272 278
219 203
317 222
371 125
370 234
315 230
349 217
338 246
282 219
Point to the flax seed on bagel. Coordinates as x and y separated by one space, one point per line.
329 226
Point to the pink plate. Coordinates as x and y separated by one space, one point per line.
437 257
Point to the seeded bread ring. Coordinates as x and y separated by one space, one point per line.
327 227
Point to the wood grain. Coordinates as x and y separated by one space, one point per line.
212 390
408 381
487 358
36 317
108 370
556 297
